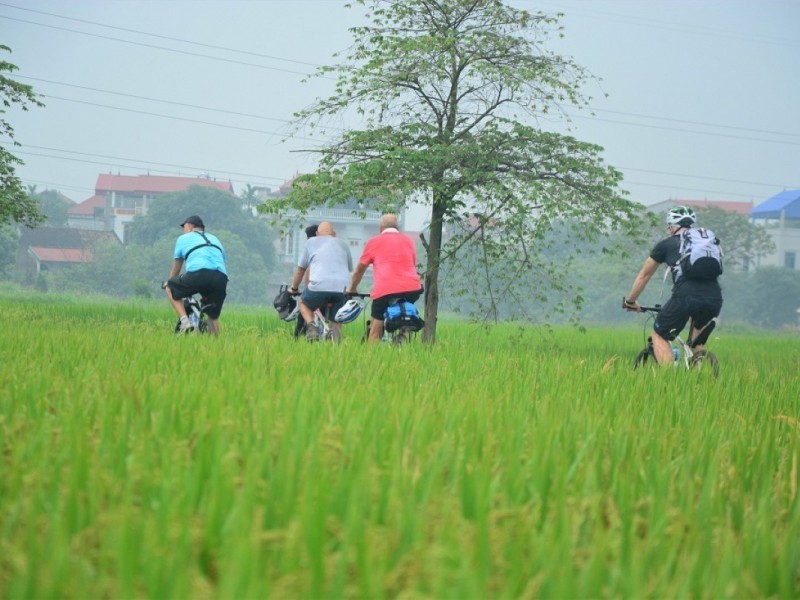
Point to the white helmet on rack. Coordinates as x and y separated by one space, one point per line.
350 311
292 313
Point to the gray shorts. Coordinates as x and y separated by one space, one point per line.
321 300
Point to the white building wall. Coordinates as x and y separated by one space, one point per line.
787 241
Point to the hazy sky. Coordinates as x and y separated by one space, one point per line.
703 96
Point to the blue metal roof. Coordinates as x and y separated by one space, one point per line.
787 201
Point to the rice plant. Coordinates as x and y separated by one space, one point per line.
512 462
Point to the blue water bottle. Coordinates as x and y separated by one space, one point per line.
676 355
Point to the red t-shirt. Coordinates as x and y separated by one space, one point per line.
394 264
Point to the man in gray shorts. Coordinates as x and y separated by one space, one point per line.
329 263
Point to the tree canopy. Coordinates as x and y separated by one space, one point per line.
453 96
53 206
248 240
15 204
219 211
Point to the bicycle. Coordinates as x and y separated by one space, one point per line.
396 331
196 307
322 321
684 352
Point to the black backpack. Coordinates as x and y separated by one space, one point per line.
284 303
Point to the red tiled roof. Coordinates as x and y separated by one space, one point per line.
62 255
743 208
87 206
155 184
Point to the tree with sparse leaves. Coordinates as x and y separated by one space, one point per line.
15 203
454 96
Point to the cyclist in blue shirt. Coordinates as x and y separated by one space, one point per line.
202 257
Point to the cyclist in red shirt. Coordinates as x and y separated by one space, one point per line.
394 271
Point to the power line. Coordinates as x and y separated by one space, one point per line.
140 161
664 128
60 186
159 100
256 179
699 191
253 178
196 121
629 19
721 179
153 46
288 122
133 160
162 37
311 64
136 97
699 123
283 135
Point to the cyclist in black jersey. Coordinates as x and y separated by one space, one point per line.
698 300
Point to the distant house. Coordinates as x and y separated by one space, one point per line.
88 214
120 198
50 248
780 216
353 222
742 208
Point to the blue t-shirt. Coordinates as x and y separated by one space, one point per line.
205 257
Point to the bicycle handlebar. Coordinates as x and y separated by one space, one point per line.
346 294
652 309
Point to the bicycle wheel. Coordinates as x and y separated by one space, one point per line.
705 361
333 336
402 336
643 357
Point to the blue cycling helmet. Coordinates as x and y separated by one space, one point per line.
350 311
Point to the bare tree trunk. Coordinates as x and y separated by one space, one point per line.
434 250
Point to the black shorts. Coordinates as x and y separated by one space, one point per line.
211 284
676 312
379 305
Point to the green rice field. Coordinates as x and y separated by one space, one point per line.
515 462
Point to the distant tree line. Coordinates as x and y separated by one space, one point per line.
139 267
601 272
595 277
